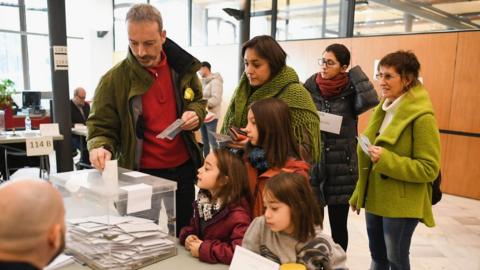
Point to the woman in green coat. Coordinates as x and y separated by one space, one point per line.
397 169
267 75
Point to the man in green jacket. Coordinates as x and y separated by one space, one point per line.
139 98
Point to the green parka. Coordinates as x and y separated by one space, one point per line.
117 104
399 184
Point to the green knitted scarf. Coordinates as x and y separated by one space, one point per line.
302 109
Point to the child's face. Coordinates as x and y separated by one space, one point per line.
277 214
251 128
208 174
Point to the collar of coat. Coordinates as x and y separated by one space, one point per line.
178 59
415 103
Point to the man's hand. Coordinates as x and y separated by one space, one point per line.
190 120
99 156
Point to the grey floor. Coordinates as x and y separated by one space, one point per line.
453 244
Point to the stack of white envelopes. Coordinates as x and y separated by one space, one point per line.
113 242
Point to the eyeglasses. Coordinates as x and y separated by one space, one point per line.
328 62
385 76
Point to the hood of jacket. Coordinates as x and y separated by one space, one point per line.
415 103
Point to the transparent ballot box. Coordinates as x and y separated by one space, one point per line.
121 225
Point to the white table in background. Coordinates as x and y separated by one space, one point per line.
11 137
80 131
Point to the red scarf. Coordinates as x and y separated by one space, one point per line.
333 86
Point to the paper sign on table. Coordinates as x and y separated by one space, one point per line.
39 146
246 259
49 129
139 197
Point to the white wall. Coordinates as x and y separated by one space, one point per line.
224 60
90 56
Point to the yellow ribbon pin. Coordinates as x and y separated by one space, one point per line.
189 94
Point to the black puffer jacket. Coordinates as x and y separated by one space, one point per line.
339 156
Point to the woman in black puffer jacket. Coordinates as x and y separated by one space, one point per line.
346 94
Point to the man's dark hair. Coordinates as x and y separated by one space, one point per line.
207 65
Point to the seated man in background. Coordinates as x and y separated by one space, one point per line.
32 224
79 113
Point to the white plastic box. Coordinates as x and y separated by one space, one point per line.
113 228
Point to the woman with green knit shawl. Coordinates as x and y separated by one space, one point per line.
267 75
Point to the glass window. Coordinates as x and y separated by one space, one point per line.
36 16
39 63
260 5
260 25
211 25
372 18
11 58
307 19
10 16
299 20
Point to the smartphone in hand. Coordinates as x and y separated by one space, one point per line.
237 134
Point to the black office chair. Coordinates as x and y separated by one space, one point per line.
10 152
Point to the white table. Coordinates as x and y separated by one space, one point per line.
21 136
11 137
183 261
80 131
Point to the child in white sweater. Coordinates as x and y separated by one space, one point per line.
290 231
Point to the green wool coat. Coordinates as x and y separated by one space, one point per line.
111 123
399 184
286 86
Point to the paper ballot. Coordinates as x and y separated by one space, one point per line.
171 131
110 175
163 218
364 143
246 259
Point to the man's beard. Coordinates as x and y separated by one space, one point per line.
60 249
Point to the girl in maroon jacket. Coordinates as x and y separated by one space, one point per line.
221 211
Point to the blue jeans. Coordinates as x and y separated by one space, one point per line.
389 241
207 137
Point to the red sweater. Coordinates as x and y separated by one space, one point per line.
159 111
